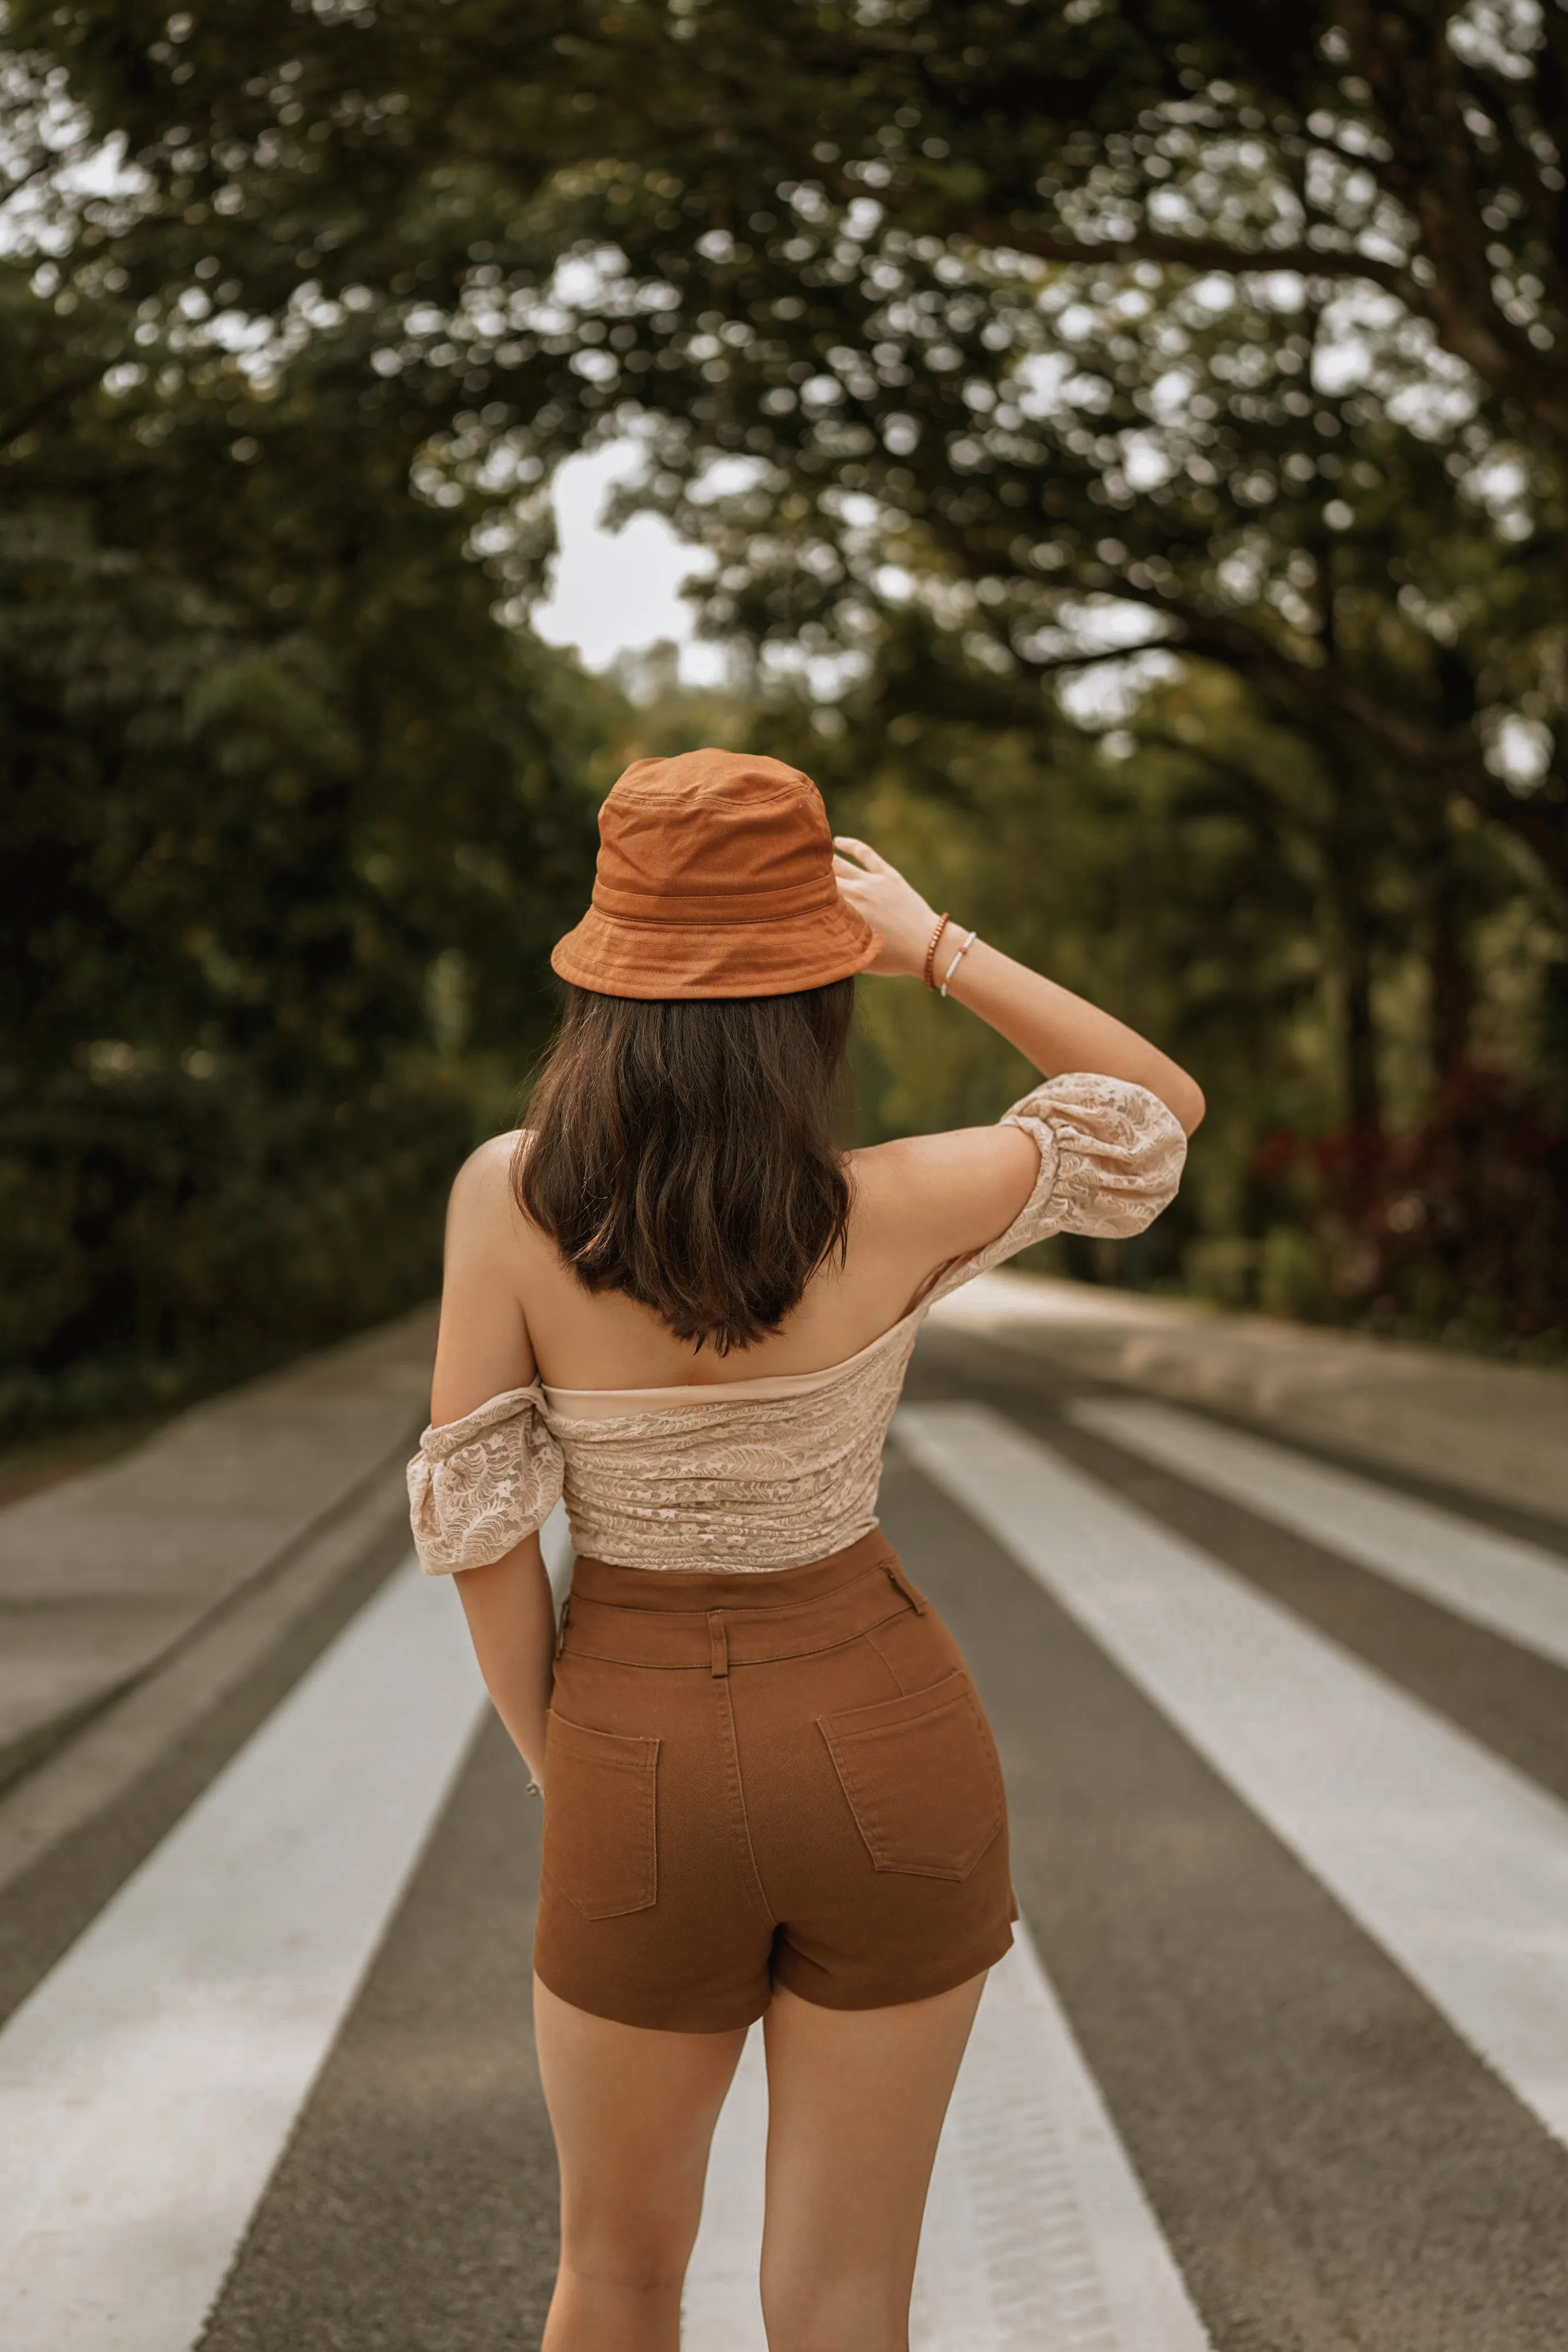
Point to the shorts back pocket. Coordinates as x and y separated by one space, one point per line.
600 1829
922 1778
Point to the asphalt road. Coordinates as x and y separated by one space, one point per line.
1281 2066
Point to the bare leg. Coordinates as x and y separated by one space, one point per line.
856 2099
633 2112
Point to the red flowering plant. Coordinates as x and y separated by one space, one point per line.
1456 1230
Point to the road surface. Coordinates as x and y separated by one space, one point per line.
1280 2062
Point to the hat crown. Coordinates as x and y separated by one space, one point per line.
726 826
715 879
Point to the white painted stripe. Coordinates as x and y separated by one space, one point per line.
1036 2231
722 2309
147 2085
1514 1588
1456 1863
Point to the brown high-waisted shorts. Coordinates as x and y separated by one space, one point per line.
759 1779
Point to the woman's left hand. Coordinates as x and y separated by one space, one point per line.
890 905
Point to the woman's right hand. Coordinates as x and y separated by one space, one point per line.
890 905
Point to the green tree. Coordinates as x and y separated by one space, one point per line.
1033 333
288 821
953 254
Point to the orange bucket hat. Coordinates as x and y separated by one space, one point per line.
714 878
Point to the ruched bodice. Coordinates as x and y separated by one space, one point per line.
771 1473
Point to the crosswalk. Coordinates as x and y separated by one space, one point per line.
147 2085
1038 2234
1511 1588
1452 1861
152 2082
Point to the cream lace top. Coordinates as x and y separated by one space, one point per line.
774 1472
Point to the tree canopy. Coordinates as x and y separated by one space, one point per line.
1134 428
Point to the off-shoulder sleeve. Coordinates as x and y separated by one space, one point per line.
1111 1156
478 1485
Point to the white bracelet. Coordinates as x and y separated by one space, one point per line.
958 959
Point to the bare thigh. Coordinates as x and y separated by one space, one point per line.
633 2112
856 2099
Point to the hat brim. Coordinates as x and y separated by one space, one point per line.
614 957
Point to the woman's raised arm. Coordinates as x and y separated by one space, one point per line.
1056 1030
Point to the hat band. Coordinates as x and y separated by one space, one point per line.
725 910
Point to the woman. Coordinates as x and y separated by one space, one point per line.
769 1789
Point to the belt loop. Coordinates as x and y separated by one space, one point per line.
901 1584
565 1621
719 1636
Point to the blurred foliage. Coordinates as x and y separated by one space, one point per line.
1130 434
288 823
1179 869
1247 318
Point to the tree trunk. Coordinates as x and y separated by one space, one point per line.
1451 991
1364 1099
1344 859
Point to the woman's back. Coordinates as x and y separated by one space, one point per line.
917 1204
769 1456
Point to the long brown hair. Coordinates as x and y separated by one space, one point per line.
683 1150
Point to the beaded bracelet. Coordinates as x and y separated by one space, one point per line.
958 959
930 951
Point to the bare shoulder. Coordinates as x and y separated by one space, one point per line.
484 1179
950 1192
483 1214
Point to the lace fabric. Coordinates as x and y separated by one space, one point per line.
739 1482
